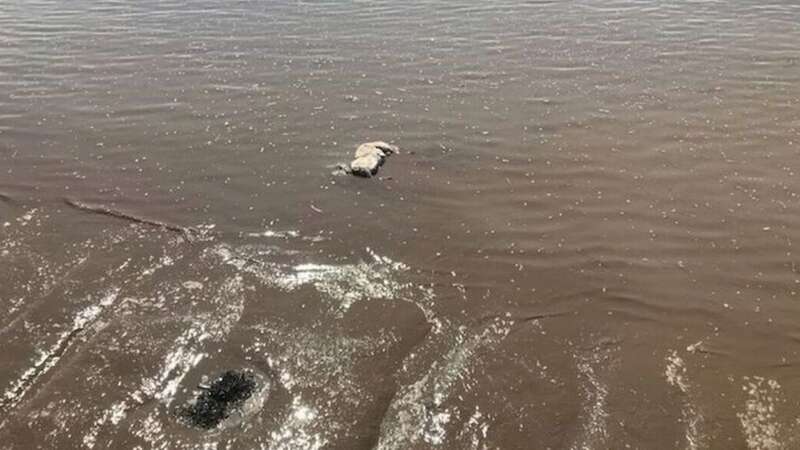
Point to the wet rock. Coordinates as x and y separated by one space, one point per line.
370 157
219 398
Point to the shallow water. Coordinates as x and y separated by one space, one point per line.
586 241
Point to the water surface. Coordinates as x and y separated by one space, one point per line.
586 241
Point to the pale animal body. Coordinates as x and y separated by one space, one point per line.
369 157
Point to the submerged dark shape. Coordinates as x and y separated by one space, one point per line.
217 400
6 198
187 232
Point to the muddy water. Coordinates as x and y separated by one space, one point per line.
586 241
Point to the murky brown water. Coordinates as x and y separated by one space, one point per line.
585 243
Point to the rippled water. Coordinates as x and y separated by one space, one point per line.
586 241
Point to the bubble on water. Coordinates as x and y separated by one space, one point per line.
758 419
27 217
675 373
192 285
475 430
275 234
321 366
177 363
113 415
595 393
187 351
341 284
418 413
48 358
295 432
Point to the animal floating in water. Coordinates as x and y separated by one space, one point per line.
369 158
187 232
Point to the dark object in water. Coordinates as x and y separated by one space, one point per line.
187 232
6 198
214 404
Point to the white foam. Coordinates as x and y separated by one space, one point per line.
187 352
341 284
177 363
436 432
418 412
276 234
758 420
595 392
475 431
295 433
27 217
164 261
675 373
151 431
192 285
230 303
114 415
47 359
